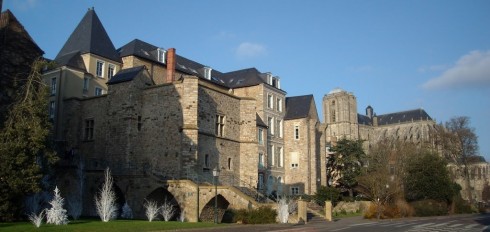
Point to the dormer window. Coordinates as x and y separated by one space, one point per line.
161 55
275 82
269 78
207 72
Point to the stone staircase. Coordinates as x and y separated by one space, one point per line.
314 218
315 212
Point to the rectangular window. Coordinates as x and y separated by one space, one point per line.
279 125
279 105
89 129
98 91
260 182
261 160
100 69
53 86
270 120
296 132
111 70
85 83
281 157
260 136
270 101
294 190
52 107
140 123
270 155
294 159
220 125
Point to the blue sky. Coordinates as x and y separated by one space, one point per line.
393 55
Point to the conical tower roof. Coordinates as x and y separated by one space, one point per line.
90 37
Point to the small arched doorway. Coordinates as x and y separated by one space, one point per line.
162 196
207 213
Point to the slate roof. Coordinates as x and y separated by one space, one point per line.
73 60
90 37
298 107
148 51
10 24
404 116
243 78
126 75
236 79
364 120
260 122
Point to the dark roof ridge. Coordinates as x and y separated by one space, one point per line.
404 111
125 75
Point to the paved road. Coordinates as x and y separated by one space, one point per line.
474 222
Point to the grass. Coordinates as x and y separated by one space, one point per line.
112 226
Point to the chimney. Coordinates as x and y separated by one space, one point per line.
170 65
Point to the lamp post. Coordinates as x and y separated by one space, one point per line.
215 177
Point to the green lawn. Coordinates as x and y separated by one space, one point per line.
112 226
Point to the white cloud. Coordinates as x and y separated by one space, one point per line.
247 50
471 70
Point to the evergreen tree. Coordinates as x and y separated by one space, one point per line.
345 164
24 148
427 177
57 214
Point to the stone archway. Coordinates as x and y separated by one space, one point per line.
207 213
120 199
163 196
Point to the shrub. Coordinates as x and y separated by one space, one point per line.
397 209
425 208
262 215
326 193
461 206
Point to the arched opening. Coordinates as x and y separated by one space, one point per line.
120 199
163 196
207 213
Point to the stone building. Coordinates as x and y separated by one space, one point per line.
162 123
304 153
343 121
17 53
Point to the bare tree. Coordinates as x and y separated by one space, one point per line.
167 210
459 145
57 214
105 200
152 210
380 178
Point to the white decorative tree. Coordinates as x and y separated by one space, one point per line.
283 209
152 210
57 214
105 200
182 216
36 219
127 213
168 210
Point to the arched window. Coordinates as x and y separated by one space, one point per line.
230 164
332 112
